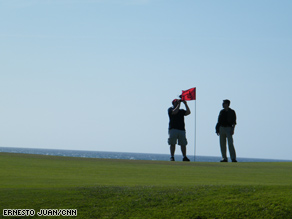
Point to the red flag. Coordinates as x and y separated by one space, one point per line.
189 94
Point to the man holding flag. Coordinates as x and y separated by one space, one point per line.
176 130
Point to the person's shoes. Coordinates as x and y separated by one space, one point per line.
186 159
224 160
234 160
172 159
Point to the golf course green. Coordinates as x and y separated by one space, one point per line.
105 188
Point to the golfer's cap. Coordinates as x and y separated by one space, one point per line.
173 102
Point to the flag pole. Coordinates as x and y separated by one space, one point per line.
190 94
195 130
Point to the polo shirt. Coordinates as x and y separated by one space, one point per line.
176 121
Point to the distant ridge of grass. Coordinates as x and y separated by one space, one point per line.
104 188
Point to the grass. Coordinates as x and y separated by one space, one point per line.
103 188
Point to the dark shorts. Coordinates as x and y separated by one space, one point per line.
175 136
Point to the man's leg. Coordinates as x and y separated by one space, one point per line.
184 150
172 150
223 143
172 142
182 141
231 145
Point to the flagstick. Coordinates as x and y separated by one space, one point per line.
195 130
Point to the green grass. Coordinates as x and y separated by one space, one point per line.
103 188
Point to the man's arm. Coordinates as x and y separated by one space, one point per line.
232 130
176 109
234 123
218 124
188 112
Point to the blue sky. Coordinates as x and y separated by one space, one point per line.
100 75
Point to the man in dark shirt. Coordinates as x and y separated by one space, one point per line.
176 128
225 129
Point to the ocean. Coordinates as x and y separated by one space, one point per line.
123 155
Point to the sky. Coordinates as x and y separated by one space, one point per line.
100 74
